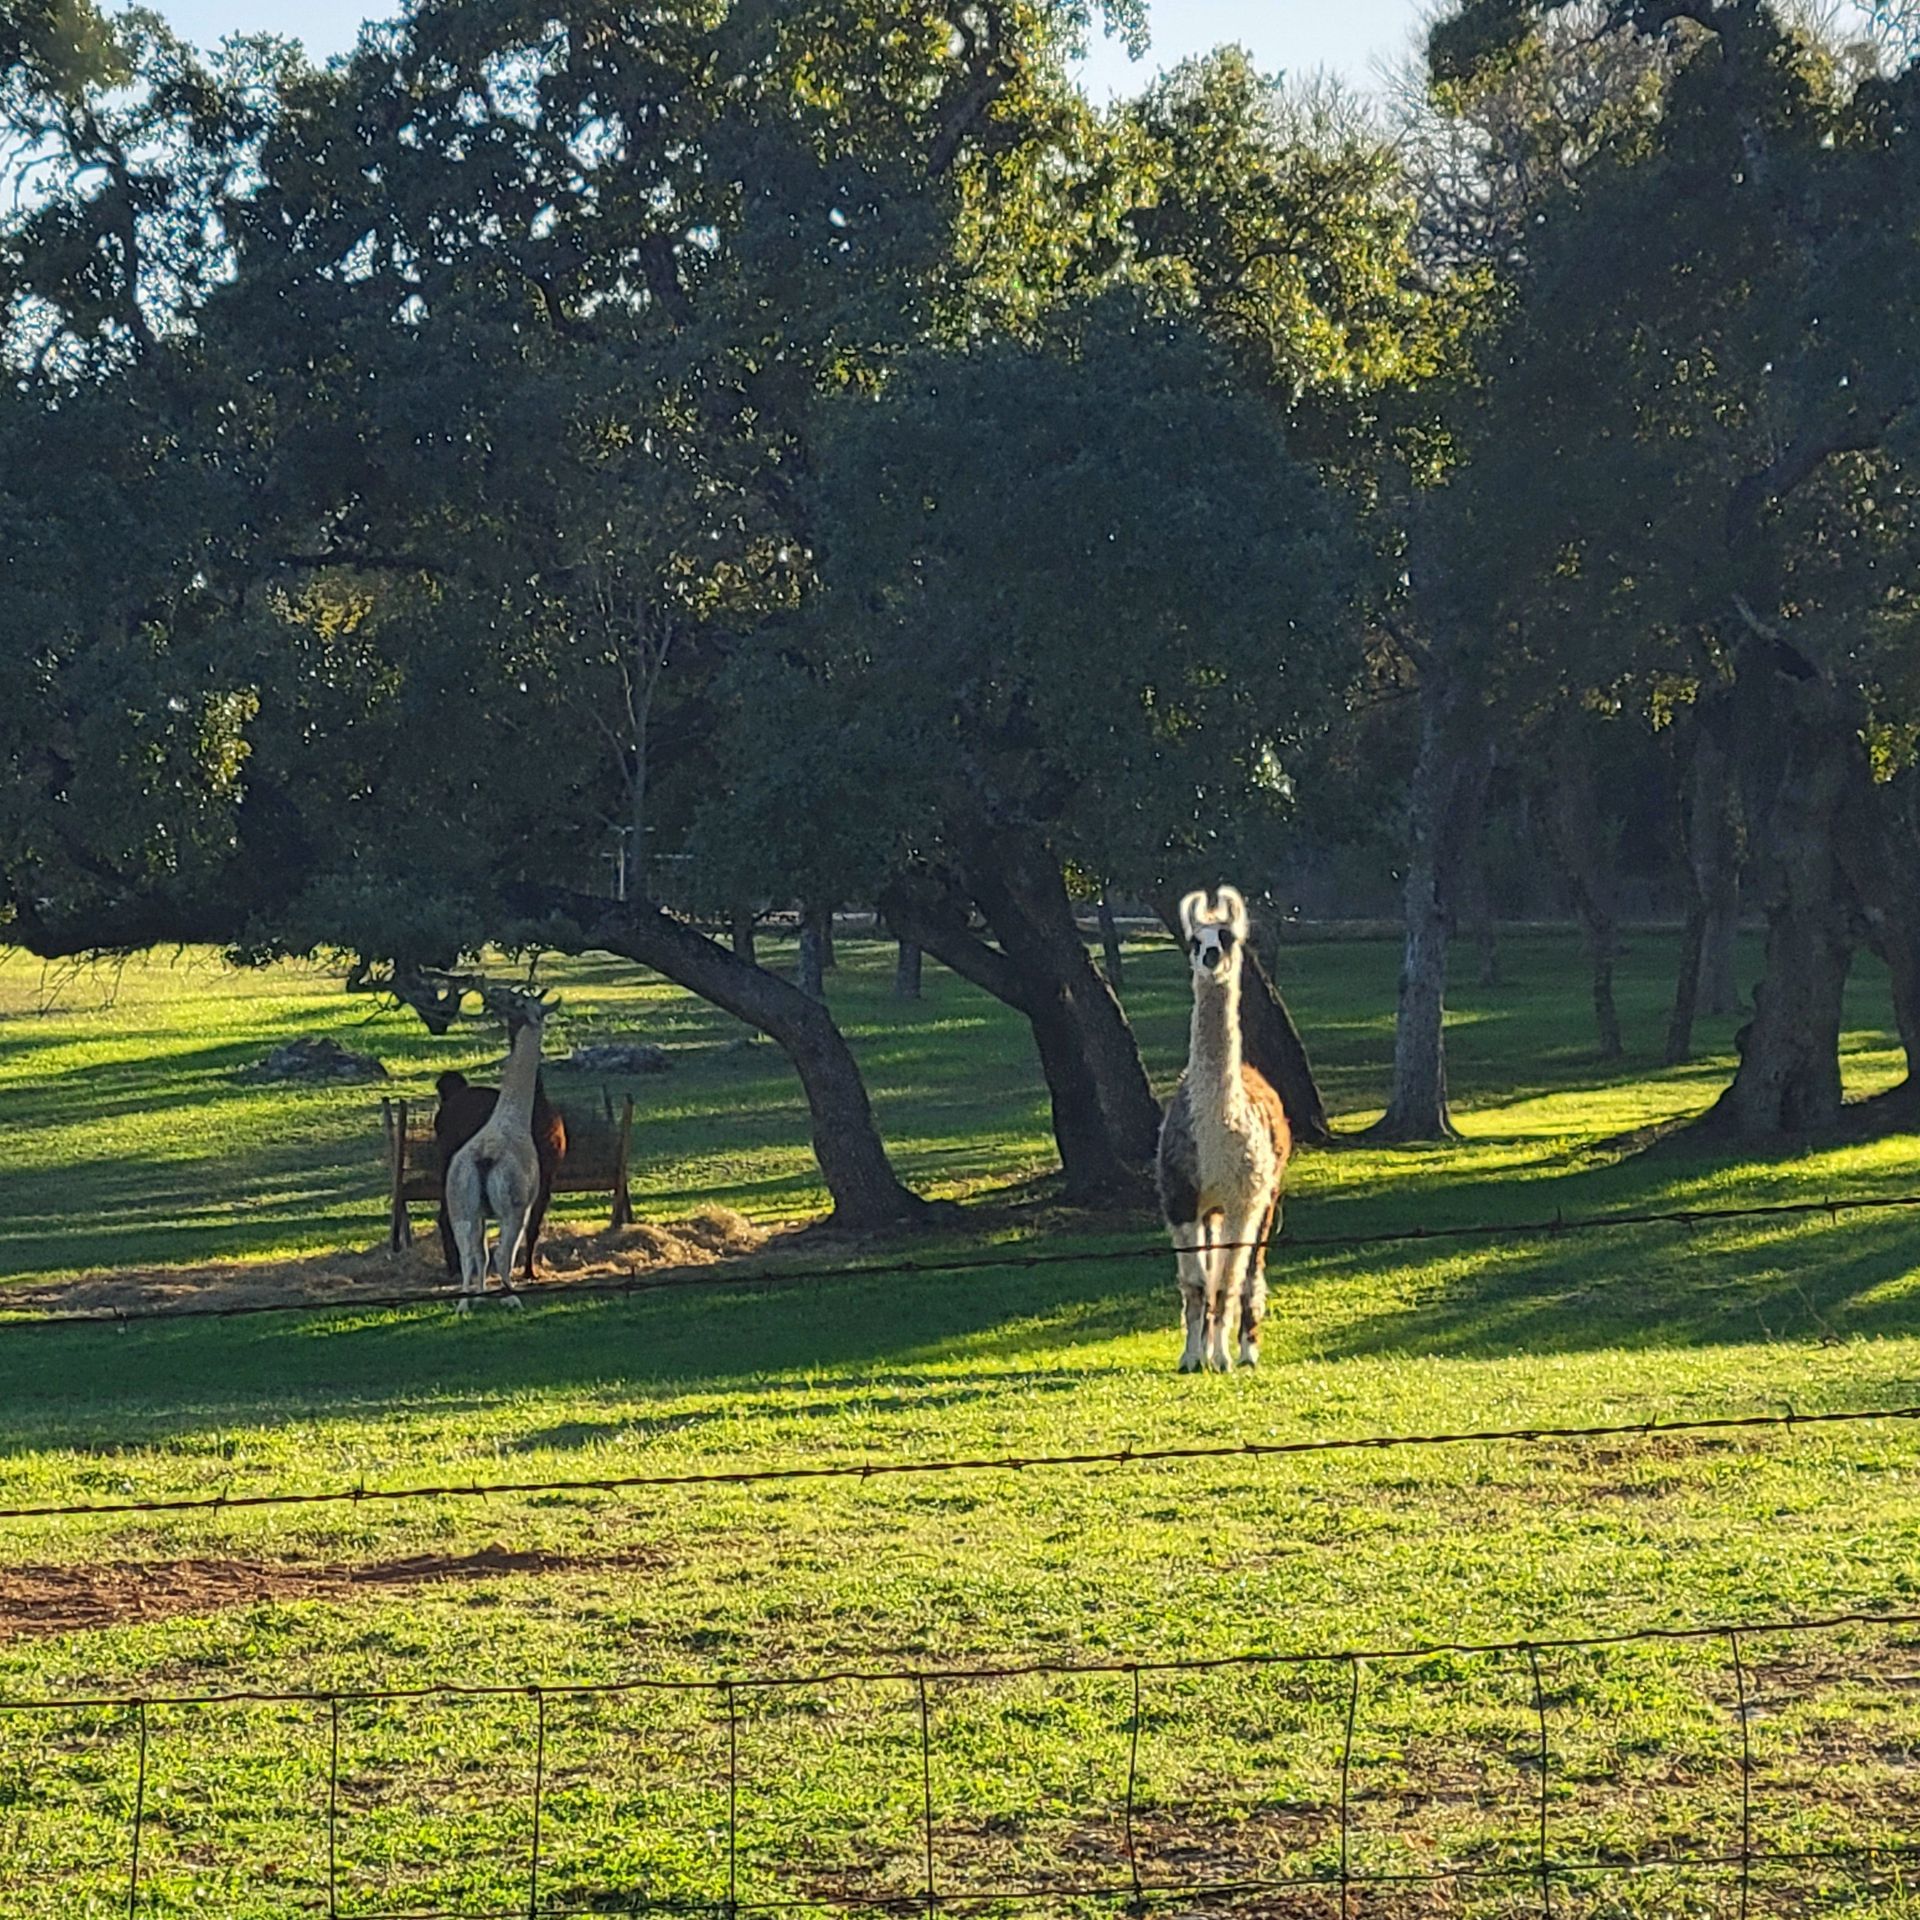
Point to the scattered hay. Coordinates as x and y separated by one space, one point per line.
707 1236
567 1255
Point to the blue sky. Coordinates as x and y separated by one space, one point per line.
1346 37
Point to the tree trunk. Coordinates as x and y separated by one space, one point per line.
1479 911
853 1162
1443 809
1094 1171
906 972
1880 851
829 958
1110 944
741 929
1719 955
1574 826
1710 843
1016 881
1686 989
1269 1040
1712 832
815 934
1797 743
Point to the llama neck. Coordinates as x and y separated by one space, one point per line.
1213 1050
515 1105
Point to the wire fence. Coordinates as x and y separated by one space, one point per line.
937 1876
1547 1870
991 1260
1028 1463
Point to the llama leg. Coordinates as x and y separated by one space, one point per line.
512 1202
513 1237
1189 1242
1235 1253
1220 1276
467 1218
541 1199
472 1234
1253 1305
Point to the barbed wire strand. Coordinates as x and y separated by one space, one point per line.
1409 1652
864 1470
776 1277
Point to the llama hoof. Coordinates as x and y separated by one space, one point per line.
512 1298
1189 1363
1249 1353
463 1306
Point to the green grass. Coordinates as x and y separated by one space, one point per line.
132 1145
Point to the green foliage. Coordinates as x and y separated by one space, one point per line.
1697 395
1083 587
465 435
1478 37
1282 220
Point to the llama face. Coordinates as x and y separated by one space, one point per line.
1215 929
529 1014
1210 950
518 1011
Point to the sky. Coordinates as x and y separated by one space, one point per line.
1346 37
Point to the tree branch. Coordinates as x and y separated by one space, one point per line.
1797 464
938 925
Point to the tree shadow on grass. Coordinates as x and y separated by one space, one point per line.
190 1375
1047 1329
1653 1288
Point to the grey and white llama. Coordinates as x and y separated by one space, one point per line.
1223 1150
498 1171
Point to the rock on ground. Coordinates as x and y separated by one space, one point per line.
620 1056
314 1058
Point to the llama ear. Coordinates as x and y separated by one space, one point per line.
1233 909
1191 909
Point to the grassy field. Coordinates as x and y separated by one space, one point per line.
132 1145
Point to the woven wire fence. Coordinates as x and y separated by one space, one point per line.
936 1854
928 1852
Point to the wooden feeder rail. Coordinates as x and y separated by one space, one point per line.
596 1160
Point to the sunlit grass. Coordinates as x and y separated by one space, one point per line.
167 1157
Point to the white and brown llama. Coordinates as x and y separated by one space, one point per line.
498 1171
1223 1150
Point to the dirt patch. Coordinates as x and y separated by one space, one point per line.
656 1249
39 1601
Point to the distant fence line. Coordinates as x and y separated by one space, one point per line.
885 1469
1548 1228
1543 1868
